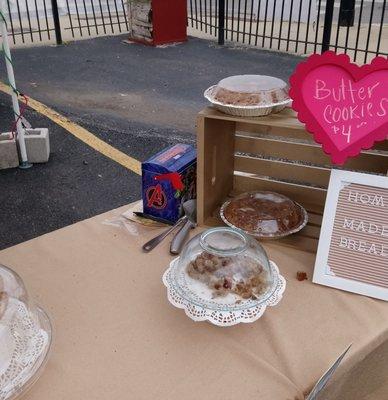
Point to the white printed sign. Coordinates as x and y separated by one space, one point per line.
353 245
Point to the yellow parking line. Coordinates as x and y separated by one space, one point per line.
82 134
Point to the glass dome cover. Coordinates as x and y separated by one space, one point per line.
223 269
25 337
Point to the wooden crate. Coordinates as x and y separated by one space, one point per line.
273 153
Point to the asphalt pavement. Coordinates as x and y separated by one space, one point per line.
139 99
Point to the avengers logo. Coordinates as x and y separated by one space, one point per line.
156 197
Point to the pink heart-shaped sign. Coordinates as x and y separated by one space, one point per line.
343 105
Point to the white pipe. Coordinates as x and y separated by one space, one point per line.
11 79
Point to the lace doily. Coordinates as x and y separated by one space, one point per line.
31 344
222 316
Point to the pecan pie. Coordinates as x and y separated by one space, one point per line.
251 90
237 99
264 213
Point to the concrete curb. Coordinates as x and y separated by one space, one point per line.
9 157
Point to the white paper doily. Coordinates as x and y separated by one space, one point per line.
222 317
31 345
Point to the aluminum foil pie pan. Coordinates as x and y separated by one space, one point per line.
245 111
266 235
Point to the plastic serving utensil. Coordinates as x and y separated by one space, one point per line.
156 240
326 376
190 209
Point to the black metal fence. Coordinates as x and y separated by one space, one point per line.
32 21
26 24
356 27
101 17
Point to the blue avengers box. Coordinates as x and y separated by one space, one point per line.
169 179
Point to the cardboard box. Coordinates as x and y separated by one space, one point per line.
169 179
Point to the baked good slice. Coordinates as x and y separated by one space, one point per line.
242 276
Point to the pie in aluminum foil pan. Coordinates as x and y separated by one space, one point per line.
249 95
265 215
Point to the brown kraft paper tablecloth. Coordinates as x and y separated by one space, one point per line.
117 336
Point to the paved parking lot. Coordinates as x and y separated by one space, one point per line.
138 99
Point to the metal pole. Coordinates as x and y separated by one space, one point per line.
221 22
346 13
328 23
11 79
57 25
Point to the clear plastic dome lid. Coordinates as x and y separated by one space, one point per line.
25 336
250 90
223 267
252 83
264 214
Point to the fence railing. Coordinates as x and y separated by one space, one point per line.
47 20
356 27
29 22
96 18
